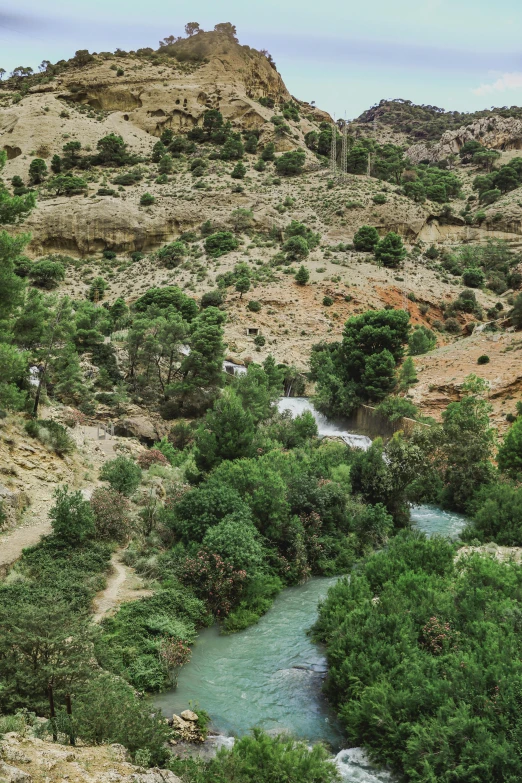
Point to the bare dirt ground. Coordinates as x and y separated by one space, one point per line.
442 372
28 467
123 585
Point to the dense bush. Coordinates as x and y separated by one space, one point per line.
172 255
122 474
220 243
52 434
290 163
366 239
111 511
421 340
390 251
428 698
47 274
72 517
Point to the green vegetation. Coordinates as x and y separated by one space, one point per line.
363 366
420 671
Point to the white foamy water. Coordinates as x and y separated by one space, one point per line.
331 428
355 767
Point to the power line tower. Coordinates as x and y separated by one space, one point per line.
344 150
333 151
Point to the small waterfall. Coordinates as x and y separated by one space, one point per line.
327 428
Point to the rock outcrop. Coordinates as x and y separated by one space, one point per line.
28 759
499 133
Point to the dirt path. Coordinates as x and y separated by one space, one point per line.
35 524
123 585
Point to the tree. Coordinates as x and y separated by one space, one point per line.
112 151
65 184
366 239
238 171
46 651
232 148
237 541
421 340
302 276
212 121
47 274
468 444
473 277
407 374
122 474
290 163
165 165
296 248
56 164
72 519
2 73
251 144
13 208
158 151
516 313
362 367
57 331
256 392
226 28
11 286
111 511
390 251
243 285
510 451
71 157
227 432
268 152
13 370
37 171
220 243
202 370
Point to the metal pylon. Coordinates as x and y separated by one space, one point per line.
333 151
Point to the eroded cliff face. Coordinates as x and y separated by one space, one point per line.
145 99
499 133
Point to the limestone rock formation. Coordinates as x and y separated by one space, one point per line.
500 133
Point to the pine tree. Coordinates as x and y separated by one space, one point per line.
302 276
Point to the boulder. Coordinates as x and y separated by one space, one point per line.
155 775
139 427
189 715
9 774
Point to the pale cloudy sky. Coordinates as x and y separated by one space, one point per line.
345 55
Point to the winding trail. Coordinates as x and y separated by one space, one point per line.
36 523
123 585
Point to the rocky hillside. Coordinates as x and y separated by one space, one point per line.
116 215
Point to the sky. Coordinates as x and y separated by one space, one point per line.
344 55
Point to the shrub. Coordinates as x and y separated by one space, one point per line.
111 514
452 326
379 198
366 239
281 758
67 185
151 457
122 474
214 581
147 199
260 165
302 276
328 301
290 163
268 152
109 254
107 710
239 171
212 299
220 243
260 340
172 255
390 251
483 359
421 340
254 306
52 434
47 274
72 517
296 247
473 277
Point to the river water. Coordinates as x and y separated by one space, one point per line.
270 675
